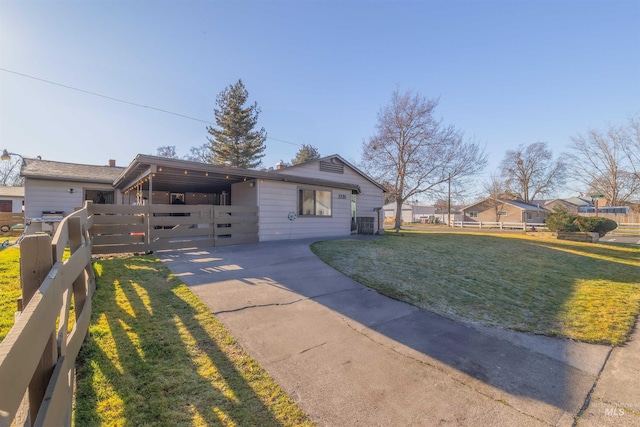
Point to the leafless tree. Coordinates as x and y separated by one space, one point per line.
496 188
201 153
531 172
632 147
416 153
10 172
168 151
608 162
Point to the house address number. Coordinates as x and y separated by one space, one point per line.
342 196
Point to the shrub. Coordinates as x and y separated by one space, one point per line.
561 220
596 224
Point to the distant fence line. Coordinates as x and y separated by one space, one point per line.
526 226
623 228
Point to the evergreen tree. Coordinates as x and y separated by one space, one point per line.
306 153
234 142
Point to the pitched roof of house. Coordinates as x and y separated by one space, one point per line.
11 191
186 175
60 171
525 206
517 203
339 157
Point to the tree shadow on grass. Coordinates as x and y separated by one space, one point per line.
155 358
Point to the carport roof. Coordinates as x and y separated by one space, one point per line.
177 175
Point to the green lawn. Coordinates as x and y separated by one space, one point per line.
156 355
9 287
588 292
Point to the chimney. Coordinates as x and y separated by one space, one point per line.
112 163
280 165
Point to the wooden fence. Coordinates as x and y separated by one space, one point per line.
526 226
37 357
9 219
141 229
631 229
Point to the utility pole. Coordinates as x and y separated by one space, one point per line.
449 202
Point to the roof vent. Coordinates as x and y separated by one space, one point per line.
337 167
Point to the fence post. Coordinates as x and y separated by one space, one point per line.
36 260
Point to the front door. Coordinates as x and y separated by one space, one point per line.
354 224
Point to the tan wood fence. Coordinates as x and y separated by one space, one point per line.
9 219
141 229
37 356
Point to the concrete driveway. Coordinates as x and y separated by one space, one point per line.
350 356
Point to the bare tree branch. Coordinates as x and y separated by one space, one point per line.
414 152
608 162
530 171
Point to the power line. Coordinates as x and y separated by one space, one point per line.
135 104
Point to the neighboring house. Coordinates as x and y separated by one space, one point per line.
417 212
11 199
407 211
61 188
572 204
497 210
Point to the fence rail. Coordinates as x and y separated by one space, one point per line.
632 229
37 356
142 229
526 226
9 219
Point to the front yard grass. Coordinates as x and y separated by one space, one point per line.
584 291
155 355
9 287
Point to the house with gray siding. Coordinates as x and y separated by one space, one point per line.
59 188
321 198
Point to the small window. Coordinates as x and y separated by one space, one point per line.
314 203
502 213
473 214
530 215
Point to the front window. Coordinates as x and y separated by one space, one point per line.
473 214
314 203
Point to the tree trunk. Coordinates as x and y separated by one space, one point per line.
398 214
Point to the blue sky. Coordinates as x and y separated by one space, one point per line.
506 72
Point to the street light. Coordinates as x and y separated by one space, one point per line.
6 156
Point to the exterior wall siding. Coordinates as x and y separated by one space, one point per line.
242 194
277 199
16 203
47 195
371 196
487 212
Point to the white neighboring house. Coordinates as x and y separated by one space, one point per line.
416 212
58 189
11 199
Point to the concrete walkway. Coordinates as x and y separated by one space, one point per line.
352 357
